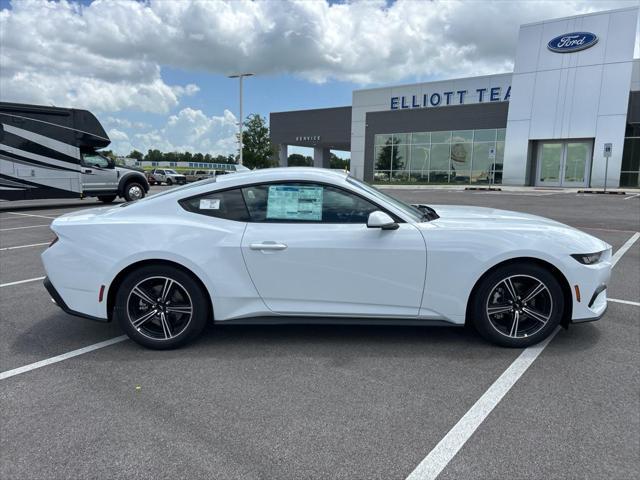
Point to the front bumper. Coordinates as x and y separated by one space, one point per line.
57 299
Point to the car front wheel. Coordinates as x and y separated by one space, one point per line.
161 307
133 191
518 305
169 182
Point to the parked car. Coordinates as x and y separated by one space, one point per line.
196 175
168 176
305 245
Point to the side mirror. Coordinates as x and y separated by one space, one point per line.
381 220
111 163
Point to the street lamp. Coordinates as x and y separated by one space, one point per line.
240 76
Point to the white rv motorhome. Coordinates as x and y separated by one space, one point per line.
50 152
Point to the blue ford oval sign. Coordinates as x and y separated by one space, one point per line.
572 42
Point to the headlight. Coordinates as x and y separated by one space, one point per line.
588 258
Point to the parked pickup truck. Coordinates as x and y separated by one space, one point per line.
165 175
196 175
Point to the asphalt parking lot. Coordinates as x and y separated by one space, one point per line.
298 402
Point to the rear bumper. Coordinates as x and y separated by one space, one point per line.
55 296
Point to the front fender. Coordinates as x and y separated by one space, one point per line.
129 176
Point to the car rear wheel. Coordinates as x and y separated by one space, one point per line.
161 307
518 305
133 191
107 198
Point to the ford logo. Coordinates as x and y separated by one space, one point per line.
572 42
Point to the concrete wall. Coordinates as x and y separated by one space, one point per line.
577 95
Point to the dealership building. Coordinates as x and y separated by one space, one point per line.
568 116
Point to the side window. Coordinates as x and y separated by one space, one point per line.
160 172
93 160
291 202
227 204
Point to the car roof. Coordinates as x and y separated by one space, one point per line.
280 174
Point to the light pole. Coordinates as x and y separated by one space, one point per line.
240 76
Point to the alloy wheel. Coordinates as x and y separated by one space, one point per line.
519 306
159 308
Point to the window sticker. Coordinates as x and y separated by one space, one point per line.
290 202
209 204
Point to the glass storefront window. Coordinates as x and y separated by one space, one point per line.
485 135
420 138
462 136
630 171
401 138
400 158
459 156
440 137
420 158
383 139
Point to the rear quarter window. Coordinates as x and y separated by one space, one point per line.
228 205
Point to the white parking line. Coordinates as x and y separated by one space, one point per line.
30 215
21 228
60 358
438 458
21 281
632 196
450 445
626 302
24 246
623 249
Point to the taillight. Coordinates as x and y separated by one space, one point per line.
55 239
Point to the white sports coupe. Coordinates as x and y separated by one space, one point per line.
307 245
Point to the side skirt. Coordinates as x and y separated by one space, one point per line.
286 320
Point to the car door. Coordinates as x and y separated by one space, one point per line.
308 251
97 173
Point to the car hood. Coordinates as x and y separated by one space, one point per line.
458 213
482 219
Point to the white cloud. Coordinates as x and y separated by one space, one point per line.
107 56
189 130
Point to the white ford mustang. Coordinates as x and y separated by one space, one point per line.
308 245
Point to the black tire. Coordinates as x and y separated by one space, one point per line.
133 191
495 310
184 290
169 182
107 198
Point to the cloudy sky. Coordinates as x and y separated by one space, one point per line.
155 71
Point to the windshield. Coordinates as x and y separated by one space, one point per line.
171 172
410 210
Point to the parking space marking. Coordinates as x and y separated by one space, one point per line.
447 448
60 358
30 215
21 228
626 302
24 246
21 281
623 249
632 196
431 466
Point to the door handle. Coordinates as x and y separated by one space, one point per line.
88 170
267 246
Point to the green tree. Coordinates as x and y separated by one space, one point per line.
171 157
139 156
298 160
257 151
198 157
337 162
208 158
154 156
389 156
108 154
